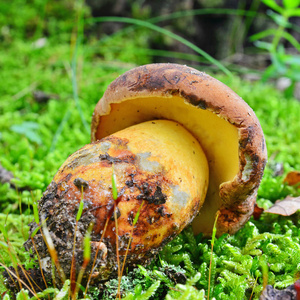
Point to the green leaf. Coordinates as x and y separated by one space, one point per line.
36 213
146 295
4 245
64 291
272 4
187 291
29 129
114 185
150 291
34 232
144 272
45 292
293 74
293 59
262 34
291 3
4 231
295 12
130 296
38 228
87 243
6 297
278 61
214 229
137 214
22 295
263 45
270 72
292 40
279 19
80 210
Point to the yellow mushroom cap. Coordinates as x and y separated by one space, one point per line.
222 122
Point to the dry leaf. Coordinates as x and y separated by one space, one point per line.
285 207
278 169
5 175
290 293
257 212
292 178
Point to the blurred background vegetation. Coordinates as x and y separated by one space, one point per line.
57 58
240 34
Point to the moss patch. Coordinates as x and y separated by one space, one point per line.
42 49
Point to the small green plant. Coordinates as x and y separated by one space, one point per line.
55 293
74 283
283 64
211 257
115 197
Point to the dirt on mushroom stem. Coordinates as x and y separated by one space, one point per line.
158 163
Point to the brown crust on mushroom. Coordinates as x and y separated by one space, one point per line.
204 92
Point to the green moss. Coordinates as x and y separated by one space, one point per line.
36 138
237 263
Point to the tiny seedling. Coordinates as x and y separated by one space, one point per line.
109 215
73 268
212 251
53 252
37 220
86 257
131 234
14 259
254 285
115 197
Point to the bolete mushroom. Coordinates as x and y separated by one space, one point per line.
222 122
177 140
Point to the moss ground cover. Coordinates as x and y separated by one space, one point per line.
42 49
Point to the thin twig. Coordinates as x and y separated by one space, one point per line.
117 251
18 279
39 260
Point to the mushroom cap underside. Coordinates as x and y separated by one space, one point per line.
222 122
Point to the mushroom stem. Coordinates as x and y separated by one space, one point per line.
158 163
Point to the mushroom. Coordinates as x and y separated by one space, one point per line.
177 140
222 122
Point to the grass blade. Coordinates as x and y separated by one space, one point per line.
165 32
212 250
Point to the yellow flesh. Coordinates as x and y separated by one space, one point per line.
218 138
